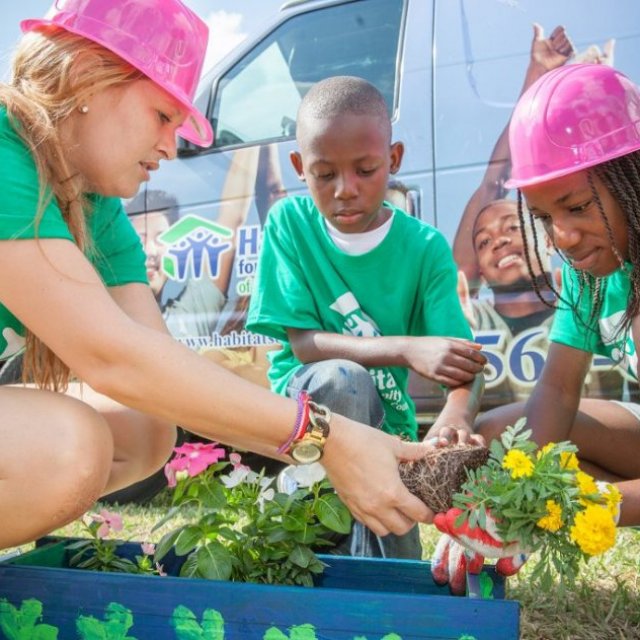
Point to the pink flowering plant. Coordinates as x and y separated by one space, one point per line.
239 526
542 500
99 551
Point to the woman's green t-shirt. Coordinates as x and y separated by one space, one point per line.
117 253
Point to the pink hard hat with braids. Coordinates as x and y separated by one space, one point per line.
572 118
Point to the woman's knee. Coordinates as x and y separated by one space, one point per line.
82 446
156 442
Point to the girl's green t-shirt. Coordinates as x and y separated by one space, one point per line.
602 335
117 255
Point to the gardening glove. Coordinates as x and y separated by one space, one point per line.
477 544
451 562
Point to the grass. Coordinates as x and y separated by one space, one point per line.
605 604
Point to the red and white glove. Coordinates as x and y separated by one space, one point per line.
462 550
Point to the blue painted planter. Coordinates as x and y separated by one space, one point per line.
363 599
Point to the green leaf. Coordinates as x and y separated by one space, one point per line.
333 514
212 495
173 511
166 543
213 562
496 450
187 540
302 556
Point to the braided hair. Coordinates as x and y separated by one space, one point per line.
621 177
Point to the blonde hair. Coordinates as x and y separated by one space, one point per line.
53 73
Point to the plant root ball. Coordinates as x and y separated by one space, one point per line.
440 474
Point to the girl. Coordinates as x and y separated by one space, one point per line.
575 149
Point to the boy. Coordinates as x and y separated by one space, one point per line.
351 285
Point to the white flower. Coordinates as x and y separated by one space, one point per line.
266 494
237 476
298 477
306 475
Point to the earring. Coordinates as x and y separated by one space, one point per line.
83 108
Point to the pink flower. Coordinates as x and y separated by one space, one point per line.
194 458
148 548
109 522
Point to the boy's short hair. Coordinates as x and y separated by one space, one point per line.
154 201
341 95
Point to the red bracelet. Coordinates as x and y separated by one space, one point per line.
301 423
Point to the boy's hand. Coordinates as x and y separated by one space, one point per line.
452 434
449 361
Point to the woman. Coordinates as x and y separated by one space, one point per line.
100 89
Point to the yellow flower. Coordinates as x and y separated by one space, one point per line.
569 460
586 483
546 449
519 463
553 520
594 530
613 498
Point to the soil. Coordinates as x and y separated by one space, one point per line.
440 474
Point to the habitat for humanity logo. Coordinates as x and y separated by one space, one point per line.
195 245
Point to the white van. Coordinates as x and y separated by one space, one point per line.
451 71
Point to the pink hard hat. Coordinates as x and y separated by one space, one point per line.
162 38
572 118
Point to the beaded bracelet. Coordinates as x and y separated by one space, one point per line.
301 423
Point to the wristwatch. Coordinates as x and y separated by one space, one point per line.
310 446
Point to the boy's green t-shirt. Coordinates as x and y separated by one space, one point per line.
602 335
406 286
118 255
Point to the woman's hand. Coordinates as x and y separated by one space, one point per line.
362 464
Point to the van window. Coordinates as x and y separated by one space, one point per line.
257 99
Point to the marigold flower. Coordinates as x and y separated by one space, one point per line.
586 483
613 498
569 460
519 463
594 530
553 520
545 450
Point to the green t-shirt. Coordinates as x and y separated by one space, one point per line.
602 336
117 253
404 286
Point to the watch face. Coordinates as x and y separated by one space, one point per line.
306 452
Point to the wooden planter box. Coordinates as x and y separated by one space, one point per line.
355 599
